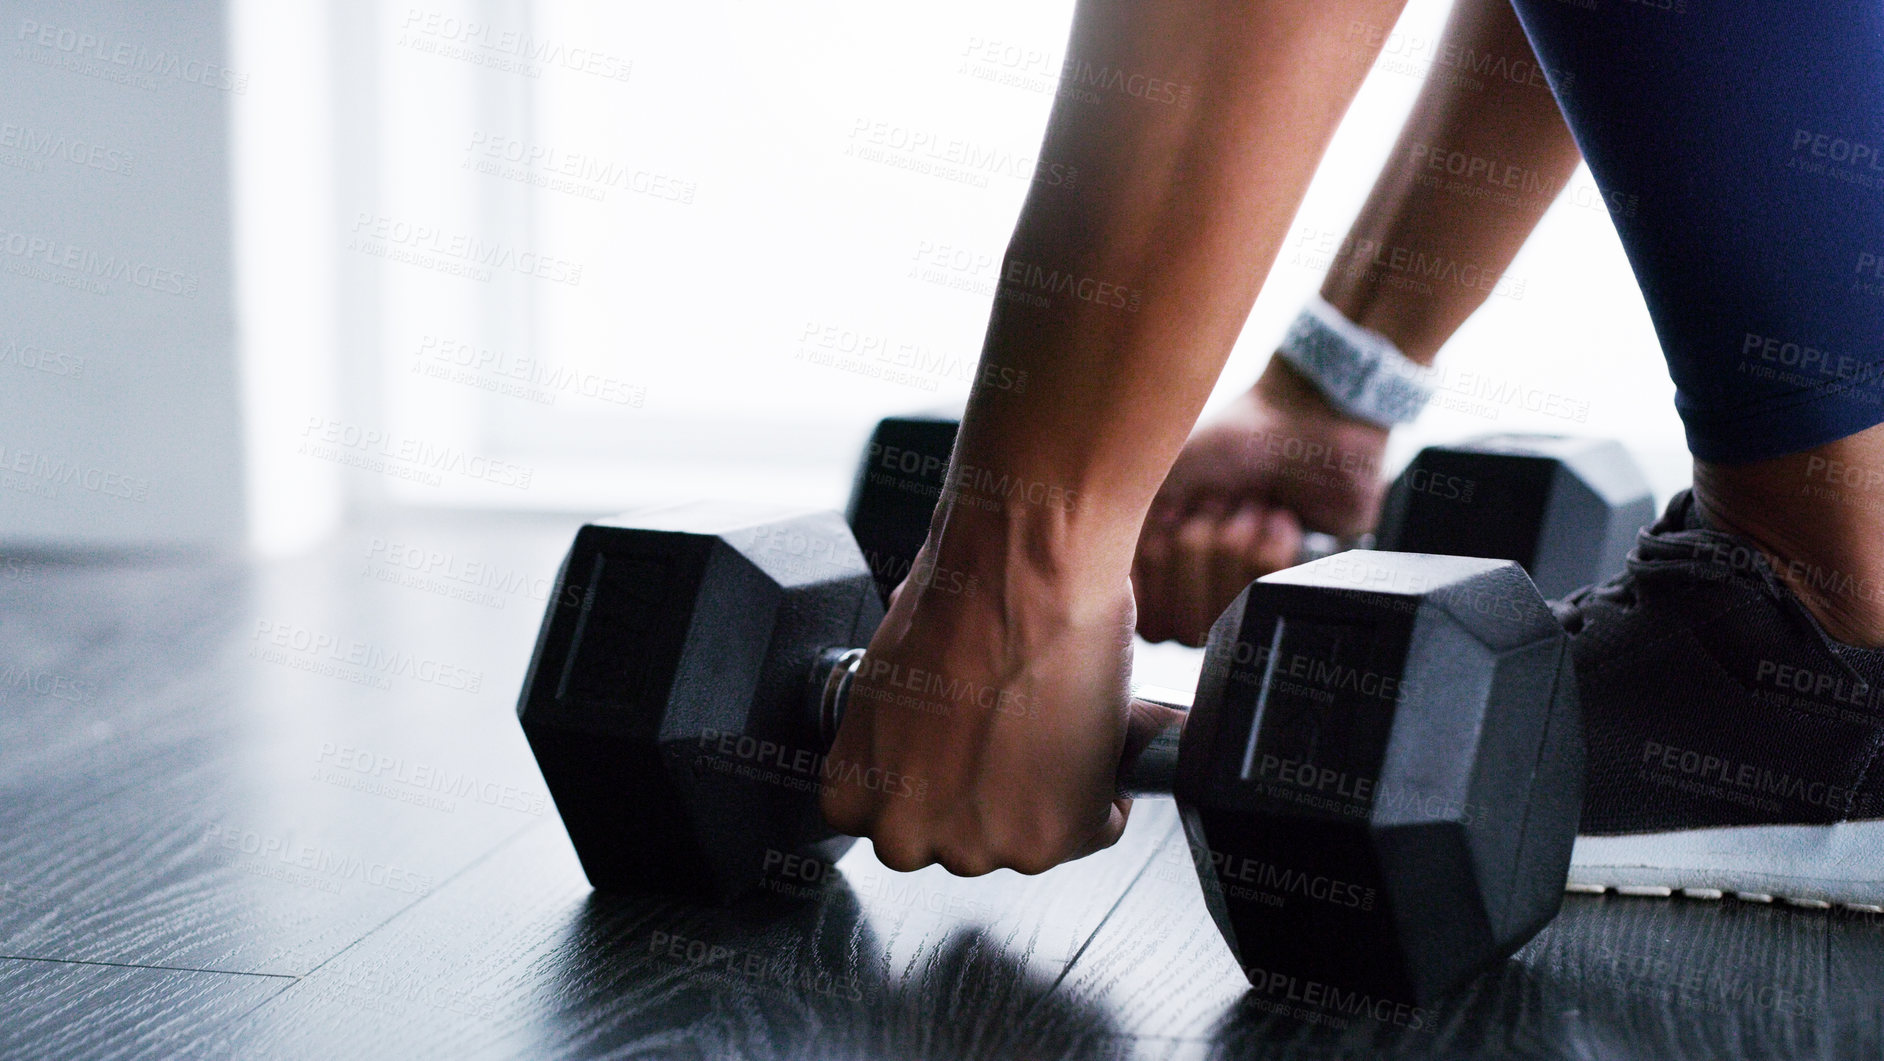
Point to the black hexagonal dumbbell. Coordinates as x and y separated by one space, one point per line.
1380 777
1565 508
656 701
899 477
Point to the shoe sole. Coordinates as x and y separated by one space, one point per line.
1814 866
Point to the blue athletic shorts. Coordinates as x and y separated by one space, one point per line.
1740 147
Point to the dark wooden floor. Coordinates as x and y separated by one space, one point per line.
212 845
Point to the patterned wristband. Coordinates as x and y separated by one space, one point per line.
1360 371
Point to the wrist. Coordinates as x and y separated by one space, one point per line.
1283 387
1014 547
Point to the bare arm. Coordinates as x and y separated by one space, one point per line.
1479 160
1184 206
1009 701
1482 156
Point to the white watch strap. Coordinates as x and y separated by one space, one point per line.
1359 370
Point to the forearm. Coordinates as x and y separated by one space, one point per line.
1179 210
1478 162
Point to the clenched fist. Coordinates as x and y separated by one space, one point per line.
1278 462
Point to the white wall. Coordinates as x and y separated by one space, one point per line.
285 170
118 380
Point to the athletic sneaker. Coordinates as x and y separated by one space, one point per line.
1733 745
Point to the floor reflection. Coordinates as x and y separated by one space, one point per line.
803 981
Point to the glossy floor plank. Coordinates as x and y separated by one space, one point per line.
519 959
206 808
63 1009
1611 977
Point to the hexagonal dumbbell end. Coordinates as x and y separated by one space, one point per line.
1566 508
1382 776
901 474
664 700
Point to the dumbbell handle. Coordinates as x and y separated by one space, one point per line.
1150 774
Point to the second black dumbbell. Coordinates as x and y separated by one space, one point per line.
1565 508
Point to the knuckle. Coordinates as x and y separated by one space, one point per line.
1032 862
1195 535
902 853
1237 536
968 863
903 842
